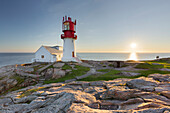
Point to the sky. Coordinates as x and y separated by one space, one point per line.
102 25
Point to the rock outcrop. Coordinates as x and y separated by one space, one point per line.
114 96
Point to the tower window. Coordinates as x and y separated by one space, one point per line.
66 26
42 56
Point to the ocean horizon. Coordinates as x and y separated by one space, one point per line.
20 58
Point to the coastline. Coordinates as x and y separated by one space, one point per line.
97 86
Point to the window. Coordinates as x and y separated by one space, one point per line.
42 56
66 26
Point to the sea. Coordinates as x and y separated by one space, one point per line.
20 58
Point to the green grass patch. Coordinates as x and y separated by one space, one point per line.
149 66
103 70
160 61
112 74
66 66
111 65
153 71
29 92
165 63
81 70
124 65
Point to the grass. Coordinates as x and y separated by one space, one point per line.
112 74
149 66
30 91
165 63
124 65
103 70
152 71
111 65
66 66
160 61
81 70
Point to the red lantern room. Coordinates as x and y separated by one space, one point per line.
68 27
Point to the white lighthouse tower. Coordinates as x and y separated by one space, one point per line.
69 37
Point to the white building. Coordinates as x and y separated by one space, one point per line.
48 54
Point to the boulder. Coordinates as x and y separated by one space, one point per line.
130 74
63 100
96 91
26 99
82 83
119 92
97 83
160 77
129 106
148 105
5 101
116 82
166 94
76 87
81 108
161 88
15 108
132 101
113 102
154 98
58 73
142 83
49 73
58 65
7 83
86 65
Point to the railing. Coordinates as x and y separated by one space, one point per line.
63 36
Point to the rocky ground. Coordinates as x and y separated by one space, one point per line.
24 88
142 95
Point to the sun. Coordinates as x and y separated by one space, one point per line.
133 45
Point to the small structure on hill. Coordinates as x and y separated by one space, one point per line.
48 54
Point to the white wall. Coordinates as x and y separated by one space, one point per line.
47 56
59 56
68 48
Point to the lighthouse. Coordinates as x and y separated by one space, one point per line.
69 37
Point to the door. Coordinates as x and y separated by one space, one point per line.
73 54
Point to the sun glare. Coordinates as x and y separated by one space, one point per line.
133 45
133 56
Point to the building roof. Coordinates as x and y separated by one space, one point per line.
53 49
